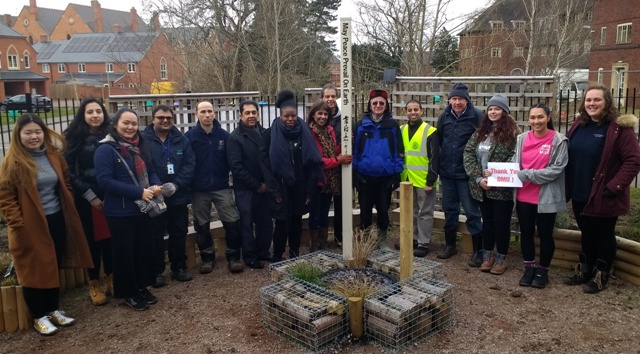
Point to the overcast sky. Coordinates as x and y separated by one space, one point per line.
13 7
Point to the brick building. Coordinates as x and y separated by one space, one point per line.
37 23
497 42
615 55
19 70
110 63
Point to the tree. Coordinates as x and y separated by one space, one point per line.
369 62
445 53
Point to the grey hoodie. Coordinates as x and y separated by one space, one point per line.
551 178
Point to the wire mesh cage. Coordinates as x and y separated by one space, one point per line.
409 311
304 313
324 260
388 261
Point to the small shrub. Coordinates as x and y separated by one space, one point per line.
307 271
364 243
563 221
631 232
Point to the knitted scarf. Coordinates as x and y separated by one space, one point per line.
131 149
328 145
280 153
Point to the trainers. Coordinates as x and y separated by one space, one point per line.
181 275
136 302
421 251
541 279
527 277
206 268
44 326
159 281
236 267
147 296
59 319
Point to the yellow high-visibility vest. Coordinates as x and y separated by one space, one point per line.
416 159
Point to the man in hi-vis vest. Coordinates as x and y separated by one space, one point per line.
421 149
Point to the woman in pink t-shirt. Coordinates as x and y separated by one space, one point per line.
542 155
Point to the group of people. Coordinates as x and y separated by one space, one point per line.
93 188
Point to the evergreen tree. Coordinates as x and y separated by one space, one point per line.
445 53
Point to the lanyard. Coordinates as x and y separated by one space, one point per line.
166 149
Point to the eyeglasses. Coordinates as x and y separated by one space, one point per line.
167 118
377 103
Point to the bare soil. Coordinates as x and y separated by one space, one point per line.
220 313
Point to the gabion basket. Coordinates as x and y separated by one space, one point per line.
304 313
324 259
409 311
388 261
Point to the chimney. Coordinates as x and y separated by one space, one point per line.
7 20
44 38
155 21
97 15
134 19
33 8
116 28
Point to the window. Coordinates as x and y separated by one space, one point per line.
131 67
132 85
624 33
519 25
575 48
27 62
82 68
163 69
496 26
46 68
600 75
590 16
121 85
109 67
603 35
496 52
518 52
587 45
13 61
62 68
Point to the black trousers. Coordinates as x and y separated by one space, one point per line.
42 301
133 251
375 192
256 228
100 250
529 219
291 230
175 222
598 236
337 217
496 224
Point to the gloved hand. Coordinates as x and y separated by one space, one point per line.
394 183
169 189
607 193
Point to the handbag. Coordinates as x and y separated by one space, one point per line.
153 208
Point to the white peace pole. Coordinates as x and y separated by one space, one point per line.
346 100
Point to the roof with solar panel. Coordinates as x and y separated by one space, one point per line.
97 48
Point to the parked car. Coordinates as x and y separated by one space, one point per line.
19 103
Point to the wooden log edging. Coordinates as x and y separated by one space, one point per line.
568 246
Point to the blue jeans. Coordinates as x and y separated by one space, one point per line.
454 193
319 213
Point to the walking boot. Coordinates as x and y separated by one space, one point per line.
541 279
499 265
96 294
488 258
476 258
323 238
313 235
450 247
599 280
583 272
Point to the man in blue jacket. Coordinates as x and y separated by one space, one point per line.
211 185
456 124
174 163
378 161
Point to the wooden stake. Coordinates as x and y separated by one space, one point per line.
70 277
1 314
23 311
79 274
9 308
190 250
406 230
356 311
